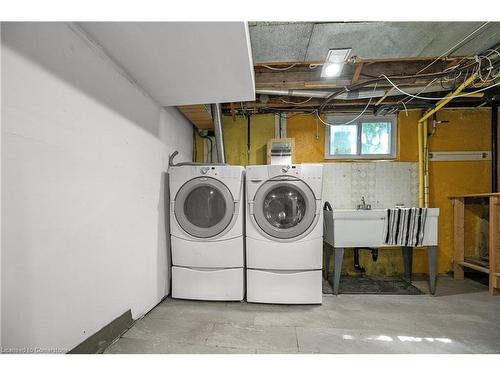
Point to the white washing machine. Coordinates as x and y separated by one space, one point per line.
207 232
284 233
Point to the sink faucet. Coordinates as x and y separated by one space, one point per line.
363 205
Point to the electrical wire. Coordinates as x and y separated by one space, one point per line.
449 51
447 97
405 101
311 66
460 67
479 60
285 68
296 103
447 75
489 69
351 121
406 109
375 80
494 51
206 137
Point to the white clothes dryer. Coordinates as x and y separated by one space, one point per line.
284 233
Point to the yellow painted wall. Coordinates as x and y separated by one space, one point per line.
309 135
261 129
467 130
236 138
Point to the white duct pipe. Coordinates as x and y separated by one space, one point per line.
351 95
301 93
219 138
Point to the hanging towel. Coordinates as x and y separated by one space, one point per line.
405 226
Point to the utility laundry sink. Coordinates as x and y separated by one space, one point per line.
349 228
365 228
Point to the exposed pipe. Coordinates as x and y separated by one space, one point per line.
351 95
420 164
219 140
206 137
175 153
357 266
356 86
440 104
494 146
301 93
248 139
423 174
425 142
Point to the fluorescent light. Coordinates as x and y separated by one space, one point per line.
335 61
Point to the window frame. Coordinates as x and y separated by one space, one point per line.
342 120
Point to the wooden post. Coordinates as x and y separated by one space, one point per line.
357 73
494 250
458 238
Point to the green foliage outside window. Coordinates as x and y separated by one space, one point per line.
361 139
375 138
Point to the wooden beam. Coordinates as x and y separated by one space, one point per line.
404 59
275 102
300 76
458 238
284 64
494 245
357 72
281 64
198 115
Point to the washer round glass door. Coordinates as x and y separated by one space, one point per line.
204 207
284 208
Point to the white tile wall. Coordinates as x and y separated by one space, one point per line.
383 184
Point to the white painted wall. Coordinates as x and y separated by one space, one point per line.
84 154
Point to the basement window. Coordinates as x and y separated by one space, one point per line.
365 138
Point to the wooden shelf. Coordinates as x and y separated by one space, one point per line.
480 195
474 267
492 268
478 261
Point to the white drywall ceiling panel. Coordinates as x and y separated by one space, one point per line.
181 63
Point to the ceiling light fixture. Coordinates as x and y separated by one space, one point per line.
334 62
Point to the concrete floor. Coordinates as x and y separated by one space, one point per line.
461 318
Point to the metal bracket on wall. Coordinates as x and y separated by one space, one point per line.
460 156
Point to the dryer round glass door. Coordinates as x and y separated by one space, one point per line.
284 208
204 207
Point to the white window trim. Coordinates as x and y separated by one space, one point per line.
343 119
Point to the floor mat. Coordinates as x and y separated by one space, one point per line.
372 285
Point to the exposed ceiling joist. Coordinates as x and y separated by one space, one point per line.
198 114
306 75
